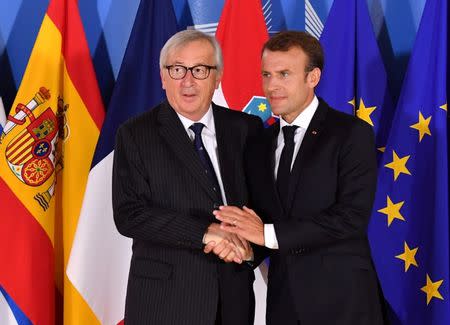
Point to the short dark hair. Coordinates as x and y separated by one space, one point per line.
284 41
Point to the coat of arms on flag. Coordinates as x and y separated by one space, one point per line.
33 154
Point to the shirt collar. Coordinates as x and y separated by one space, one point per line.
305 117
207 120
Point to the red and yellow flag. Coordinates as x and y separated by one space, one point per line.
45 154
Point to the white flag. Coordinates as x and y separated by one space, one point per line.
2 115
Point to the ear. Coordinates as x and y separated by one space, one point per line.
163 79
314 77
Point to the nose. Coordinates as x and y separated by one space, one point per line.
188 79
271 84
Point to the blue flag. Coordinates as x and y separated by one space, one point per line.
138 87
354 78
338 39
409 228
373 102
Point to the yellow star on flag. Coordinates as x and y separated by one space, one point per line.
432 289
392 210
398 165
262 107
444 107
422 126
408 256
352 102
364 112
382 149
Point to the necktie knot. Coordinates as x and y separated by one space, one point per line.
289 132
197 128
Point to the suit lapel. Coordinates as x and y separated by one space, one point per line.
227 139
308 144
273 136
172 131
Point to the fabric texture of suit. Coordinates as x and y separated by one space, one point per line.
323 264
164 201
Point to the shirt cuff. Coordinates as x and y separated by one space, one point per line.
270 238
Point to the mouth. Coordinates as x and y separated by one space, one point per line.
189 97
276 98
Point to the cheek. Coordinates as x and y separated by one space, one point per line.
171 86
208 89
265 84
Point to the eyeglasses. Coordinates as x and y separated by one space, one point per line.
199 72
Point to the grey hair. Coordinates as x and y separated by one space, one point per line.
185 37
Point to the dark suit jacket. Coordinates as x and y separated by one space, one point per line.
164 201
324 259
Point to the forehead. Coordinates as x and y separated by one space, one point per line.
194 52
295 57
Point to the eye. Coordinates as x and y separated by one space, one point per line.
266 75
284 74
177 69
199 69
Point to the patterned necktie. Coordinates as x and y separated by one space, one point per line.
284 167
204 157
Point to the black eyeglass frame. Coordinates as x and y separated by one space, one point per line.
186 69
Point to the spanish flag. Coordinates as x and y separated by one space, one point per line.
46 150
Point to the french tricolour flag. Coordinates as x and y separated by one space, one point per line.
100 257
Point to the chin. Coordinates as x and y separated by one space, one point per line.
276 111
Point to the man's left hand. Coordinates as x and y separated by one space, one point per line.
243 222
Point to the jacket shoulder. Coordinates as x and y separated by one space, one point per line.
142 120
239 118
345 122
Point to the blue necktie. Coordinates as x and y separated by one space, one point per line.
204 157
284 167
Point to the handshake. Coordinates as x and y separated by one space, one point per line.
227 246
230 240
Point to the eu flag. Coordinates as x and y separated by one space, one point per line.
354 78
409 228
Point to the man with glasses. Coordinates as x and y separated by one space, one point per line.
173 166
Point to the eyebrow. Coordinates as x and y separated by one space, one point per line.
195 64
277 71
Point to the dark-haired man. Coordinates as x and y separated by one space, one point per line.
312 180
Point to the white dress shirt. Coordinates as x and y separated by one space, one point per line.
302 121
209 141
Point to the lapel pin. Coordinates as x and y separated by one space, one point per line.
314 132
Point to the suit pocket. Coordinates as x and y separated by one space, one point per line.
348 283
153 269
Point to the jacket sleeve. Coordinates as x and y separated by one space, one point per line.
348 216
135 213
